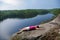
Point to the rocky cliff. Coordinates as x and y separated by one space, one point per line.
51 32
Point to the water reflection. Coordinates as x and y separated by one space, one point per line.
10 26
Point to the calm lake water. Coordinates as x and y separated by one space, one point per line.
12 25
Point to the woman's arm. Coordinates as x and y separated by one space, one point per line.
40 28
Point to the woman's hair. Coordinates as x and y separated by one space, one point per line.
37 26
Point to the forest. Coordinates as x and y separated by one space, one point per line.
28 13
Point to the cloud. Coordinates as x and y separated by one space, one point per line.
12 4
28 4
45 4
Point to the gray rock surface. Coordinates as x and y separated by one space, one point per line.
51 32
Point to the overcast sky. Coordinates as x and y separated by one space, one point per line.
28 4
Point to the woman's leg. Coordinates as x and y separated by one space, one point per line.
20 31
24 29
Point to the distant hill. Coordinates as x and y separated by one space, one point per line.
28 13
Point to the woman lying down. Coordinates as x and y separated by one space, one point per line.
31 28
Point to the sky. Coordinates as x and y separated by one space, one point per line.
28 4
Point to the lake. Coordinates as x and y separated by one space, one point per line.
12 25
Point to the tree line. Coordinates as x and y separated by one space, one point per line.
28 13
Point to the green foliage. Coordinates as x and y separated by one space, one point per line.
26 13
21 13
55 11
